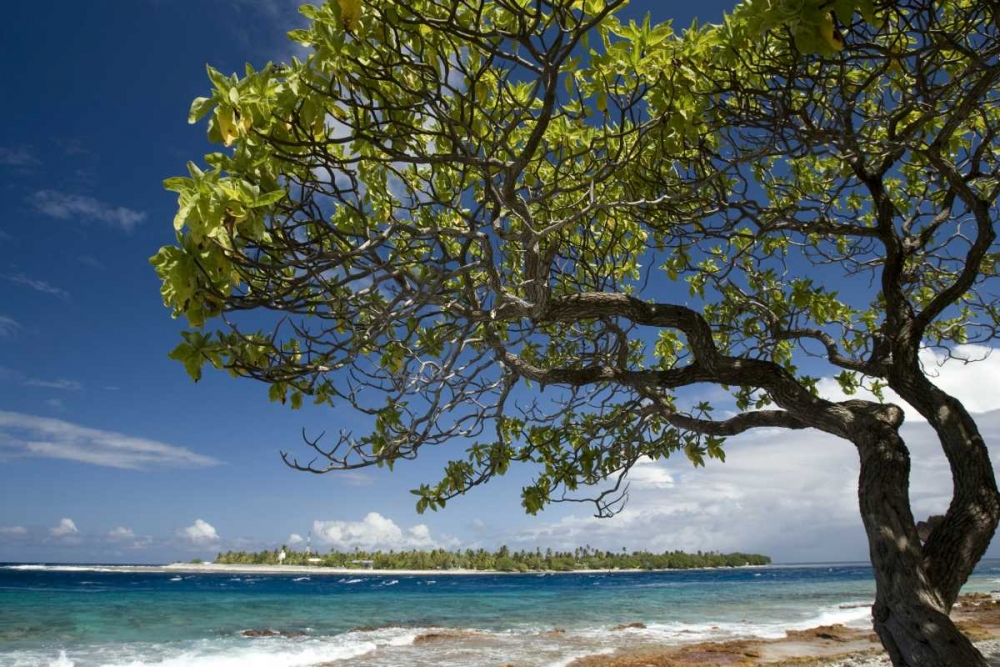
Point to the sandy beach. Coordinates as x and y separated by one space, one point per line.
227 568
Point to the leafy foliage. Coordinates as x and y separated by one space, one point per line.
453 205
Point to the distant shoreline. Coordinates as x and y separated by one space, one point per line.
229 568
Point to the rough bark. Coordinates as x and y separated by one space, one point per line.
956 543
910 615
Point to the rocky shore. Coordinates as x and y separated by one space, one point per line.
978 615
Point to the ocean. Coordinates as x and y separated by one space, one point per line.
89 616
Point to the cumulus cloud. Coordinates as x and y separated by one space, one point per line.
200 532
65 206
971 373
37 285
295 539
15 531
789 494
647 474
376 532
44 437
66 528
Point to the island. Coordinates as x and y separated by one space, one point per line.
502 560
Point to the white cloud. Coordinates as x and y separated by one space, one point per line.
122 537
295 539
972 375
29 436
66 528
16 531
648 474
56 404
37 285
61 383
201 532
17 157
65 206
8 326
789 494
121 533
376 532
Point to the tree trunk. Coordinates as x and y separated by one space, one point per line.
910 615
957 543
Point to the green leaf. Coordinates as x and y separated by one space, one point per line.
177 184
200 107
601 103
844 9
301 36
268 198
867 9
218 79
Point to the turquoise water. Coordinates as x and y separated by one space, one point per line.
85 617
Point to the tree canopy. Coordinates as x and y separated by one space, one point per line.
527 225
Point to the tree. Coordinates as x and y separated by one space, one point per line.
481 222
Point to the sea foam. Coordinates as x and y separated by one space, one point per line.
242 652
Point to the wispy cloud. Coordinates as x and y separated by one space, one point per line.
121 533
44 437
65 206
90 261
8 326
61 383
18 157
37 285
122 536
14 531
56 404
270 8
72 147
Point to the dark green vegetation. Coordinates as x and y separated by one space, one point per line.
503 560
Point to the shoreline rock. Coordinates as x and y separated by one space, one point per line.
977 615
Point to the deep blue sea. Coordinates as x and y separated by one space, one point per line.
87 616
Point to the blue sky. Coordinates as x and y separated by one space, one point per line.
109 453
